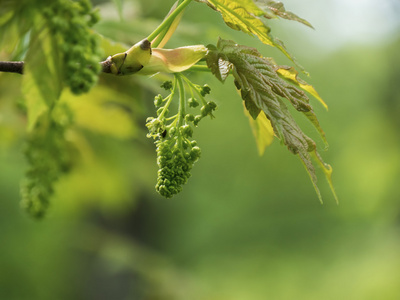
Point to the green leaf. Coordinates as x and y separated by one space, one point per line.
94 111
290 74
275 9
327 169
262 131
42 83
263 90
111 47
219 66
243 15
118 4
173 60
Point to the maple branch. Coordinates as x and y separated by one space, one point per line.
18 66
12 66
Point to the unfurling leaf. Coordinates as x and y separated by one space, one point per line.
275 9
173 60
290 74
263 91
244 15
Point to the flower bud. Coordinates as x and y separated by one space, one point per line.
173 60
193 102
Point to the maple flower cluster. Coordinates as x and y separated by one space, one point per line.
49 155
70 21
176 150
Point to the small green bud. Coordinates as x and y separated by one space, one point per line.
205 110
208 108
158 100
172 131
195 153
94 17
193 102
186 131
205 90
167 85
189 118
212 105
197 119
85 5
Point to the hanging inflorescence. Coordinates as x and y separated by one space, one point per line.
177 151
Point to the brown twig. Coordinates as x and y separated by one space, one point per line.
18 66
12 66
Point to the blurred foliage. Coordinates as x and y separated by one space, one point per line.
247 227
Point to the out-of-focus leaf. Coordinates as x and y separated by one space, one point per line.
118 5
275 9
244 15
262 91
16 18
262 131
110 47
42 82
101 111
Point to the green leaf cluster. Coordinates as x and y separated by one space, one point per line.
69 23
276 9
61 50
263 90
50 155
245 15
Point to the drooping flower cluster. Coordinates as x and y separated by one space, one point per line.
49 155
176 150
70 21
175 158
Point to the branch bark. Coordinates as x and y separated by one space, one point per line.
18 66
12 66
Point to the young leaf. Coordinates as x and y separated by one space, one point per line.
290 74
262 90
118 4
42 79
262 131
243 15
275 9
173 60
95 111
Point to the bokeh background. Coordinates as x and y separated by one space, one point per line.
245 227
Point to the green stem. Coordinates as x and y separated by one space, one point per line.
193 87
171 96
167 21
199 68
182 100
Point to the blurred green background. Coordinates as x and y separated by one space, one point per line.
245 227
